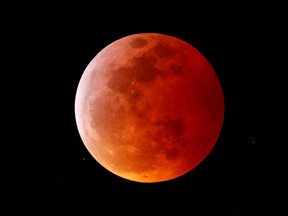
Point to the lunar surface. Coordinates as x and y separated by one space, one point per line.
149 107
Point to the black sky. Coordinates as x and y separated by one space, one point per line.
47 166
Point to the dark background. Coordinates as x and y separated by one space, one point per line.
46 167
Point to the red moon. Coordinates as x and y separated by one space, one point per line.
149 107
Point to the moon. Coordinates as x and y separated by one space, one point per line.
149 107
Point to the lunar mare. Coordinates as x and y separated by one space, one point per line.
149 107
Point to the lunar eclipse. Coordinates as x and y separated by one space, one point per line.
149 107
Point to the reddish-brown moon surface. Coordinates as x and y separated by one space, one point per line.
149 107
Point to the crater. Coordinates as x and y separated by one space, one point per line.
164 51
138 43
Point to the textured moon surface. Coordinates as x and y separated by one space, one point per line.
149 107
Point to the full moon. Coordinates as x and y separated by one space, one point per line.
149 107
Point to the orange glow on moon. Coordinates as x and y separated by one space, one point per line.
149 107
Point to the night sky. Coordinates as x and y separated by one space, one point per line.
47 167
